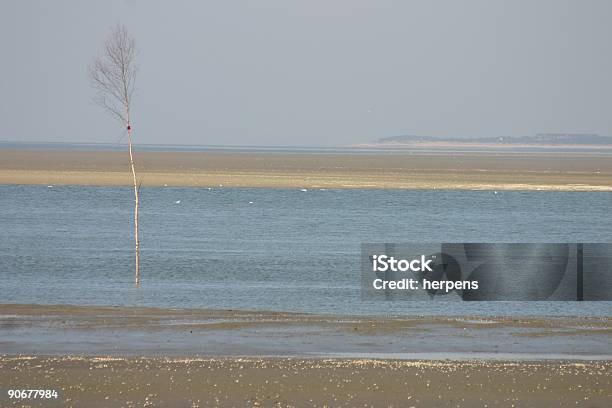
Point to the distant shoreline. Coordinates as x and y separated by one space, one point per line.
414 170
376 147
481 145
576 141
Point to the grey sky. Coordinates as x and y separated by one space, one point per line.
311 72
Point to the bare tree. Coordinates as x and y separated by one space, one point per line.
113 74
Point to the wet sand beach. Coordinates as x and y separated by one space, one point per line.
139 331
132 356
282 382
419 170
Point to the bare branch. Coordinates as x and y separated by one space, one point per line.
113 75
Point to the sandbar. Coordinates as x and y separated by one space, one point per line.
420 170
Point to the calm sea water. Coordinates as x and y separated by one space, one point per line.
265 249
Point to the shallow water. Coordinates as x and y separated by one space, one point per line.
265 249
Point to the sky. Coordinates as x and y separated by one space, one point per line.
311 73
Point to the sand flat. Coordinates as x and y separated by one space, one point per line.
142 331
282 382
476 171
136 356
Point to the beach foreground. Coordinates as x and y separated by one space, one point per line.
159 382
133 356
417 170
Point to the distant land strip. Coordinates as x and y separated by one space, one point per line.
576 140
417 170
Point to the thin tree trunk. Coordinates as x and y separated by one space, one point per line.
136 191
113 75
